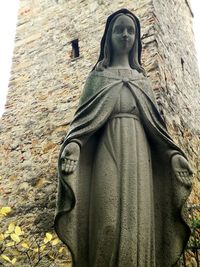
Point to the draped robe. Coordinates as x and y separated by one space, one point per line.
122 207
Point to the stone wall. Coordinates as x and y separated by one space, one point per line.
178 79
46 83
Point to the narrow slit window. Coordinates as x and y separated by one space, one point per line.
75 48
182 64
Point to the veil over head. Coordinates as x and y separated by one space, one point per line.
137 39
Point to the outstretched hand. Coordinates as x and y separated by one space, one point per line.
69 157
182 169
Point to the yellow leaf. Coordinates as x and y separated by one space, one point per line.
5 258
11 228
13 261
18 230
47 238
51 256
43 247
55 242
5 210
61 250
2 237
15 238
25 245
36 249
10 244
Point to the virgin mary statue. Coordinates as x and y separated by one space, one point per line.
123 182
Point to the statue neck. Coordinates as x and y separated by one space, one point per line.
120 60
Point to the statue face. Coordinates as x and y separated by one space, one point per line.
123 34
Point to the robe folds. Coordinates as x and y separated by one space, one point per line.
122 207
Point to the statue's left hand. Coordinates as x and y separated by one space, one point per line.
182 169
69 157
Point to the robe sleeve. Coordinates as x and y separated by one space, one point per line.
81 140
95 105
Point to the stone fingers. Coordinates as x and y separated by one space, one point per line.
70 165
183 177
62 165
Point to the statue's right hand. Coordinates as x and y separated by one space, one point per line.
69 157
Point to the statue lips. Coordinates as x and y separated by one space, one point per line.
125 42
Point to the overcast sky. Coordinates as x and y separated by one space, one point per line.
8 19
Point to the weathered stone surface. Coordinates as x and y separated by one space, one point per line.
46 83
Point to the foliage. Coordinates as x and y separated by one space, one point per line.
195 235
17 247
192 252
196 223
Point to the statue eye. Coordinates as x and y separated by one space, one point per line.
118 29
131 30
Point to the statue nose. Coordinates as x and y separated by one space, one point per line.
125 33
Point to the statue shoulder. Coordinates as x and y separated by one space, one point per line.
146 86
93 83
144 82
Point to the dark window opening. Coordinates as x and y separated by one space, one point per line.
182 63
75 49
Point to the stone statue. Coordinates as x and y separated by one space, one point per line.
123 182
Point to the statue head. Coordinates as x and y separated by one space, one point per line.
122 36
107 45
